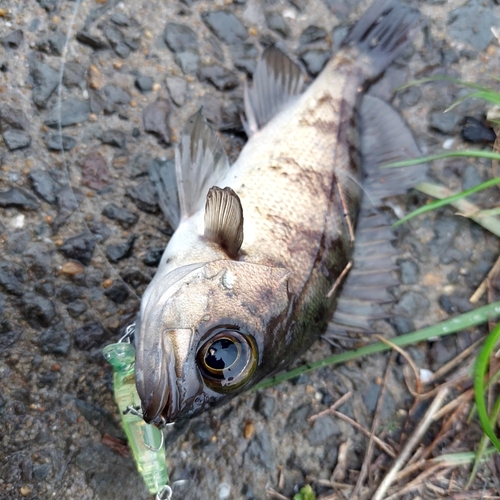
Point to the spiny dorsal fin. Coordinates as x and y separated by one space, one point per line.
200 162
224 219
162 175
275 81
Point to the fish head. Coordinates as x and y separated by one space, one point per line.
206 333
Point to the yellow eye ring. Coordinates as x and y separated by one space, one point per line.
227 360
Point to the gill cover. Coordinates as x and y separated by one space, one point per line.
201 339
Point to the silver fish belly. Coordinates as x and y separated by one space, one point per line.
252 274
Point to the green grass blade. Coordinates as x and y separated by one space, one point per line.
482 362
472 318
442 78
492 224
481 449
463 457
451 154
485 95
446 201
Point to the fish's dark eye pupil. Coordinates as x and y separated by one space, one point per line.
221 354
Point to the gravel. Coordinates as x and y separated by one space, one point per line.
134 72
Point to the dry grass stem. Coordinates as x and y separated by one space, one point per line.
414 440
484 284
270 493
334 406
383 446
465 396
371 444
338 473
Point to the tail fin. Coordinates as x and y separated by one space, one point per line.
382 34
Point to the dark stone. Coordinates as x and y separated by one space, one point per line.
67 200
90 335
297 419
444 122
322 430
134 278
220 77
95 173
92 41
471 177
180 38
120 19
55 340
277 23
453 304
410 271
19 198
476 131
45 80
202 430
260 451
97 102
41 472
471 24
265 405
100 231
177 89
144 196
68 293
136 132
47 379
312 34
44 185
244 57
117 42
123 216
155 118
115 97
38 260
370 397
45 288
71 112
120 251
10 333
152 257
13 40
225 26
57 42
315 60
409 97
118 293
18 240
144 83
189 61
76 308
113 137
411 304
57 142
12 119
38 311
80 248
16 139
48 5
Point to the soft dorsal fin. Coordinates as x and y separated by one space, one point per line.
200 162
275 81
224 219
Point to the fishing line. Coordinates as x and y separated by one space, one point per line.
114 272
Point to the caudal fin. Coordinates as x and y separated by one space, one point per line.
382 34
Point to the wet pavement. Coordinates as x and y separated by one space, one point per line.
91 94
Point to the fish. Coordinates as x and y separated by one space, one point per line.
287 243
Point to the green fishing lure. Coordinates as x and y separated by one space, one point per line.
145 441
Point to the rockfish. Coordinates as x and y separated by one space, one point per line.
263 249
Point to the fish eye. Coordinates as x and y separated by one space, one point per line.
227 360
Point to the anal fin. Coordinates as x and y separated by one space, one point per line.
384 138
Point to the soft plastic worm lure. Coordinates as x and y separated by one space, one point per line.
146 441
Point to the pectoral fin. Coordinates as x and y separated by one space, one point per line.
224 219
